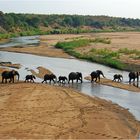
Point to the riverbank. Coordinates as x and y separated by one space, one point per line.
10 64
46 46
32 111
112 49
108 82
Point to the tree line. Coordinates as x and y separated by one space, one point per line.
55 24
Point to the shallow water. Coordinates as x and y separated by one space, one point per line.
60 66
21 41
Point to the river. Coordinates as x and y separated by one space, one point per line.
61 66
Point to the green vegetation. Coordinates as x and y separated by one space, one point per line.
73 44
103 56
102 40
25 33
32 24
80 43
128 52
106 57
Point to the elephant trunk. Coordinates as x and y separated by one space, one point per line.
81 79
18 75
103 75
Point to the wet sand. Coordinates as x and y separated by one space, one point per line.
120 85
41 111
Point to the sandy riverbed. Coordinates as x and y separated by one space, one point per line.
42 111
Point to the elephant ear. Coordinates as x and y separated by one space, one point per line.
13 72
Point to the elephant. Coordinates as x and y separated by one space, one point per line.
75 76
30 77
133 75
118 76
96 75
62 79
9 75
49 77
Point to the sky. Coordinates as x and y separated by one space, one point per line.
115 8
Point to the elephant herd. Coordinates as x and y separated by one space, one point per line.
95 75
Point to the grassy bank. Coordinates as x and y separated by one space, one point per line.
36 31
102 56
26 33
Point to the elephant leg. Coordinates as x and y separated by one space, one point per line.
99 78
2 79
13 79
91 79
53 80
96 79
77 81
129 80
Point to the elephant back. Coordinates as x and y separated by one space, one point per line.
94 73
4 73
73 75
49 76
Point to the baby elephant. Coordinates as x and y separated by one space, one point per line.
50 77
30 78
118 76
62 79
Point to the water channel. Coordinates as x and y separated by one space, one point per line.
61 66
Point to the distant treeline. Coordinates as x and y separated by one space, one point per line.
23 24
